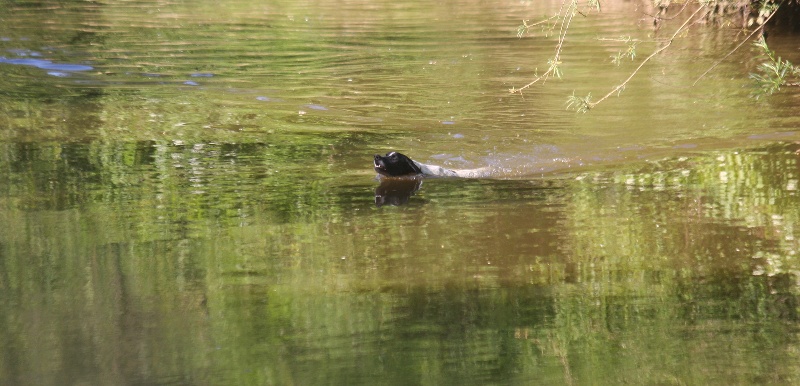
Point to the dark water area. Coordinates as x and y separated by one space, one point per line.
187 197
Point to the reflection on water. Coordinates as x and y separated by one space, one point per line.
396 191
200 207
47 65
153 262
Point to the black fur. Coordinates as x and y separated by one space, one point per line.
394 164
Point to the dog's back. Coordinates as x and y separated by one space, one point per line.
438 171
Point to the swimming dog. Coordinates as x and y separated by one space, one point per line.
394 164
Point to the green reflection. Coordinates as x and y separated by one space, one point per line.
225 232
152 261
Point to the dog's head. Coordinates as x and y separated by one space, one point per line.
394 164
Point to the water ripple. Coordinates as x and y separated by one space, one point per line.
46 64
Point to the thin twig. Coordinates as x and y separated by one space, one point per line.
736 48
669 18
619 87
528 26
562 34
622 39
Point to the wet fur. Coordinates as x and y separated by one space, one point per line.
394 164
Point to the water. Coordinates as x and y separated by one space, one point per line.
187 197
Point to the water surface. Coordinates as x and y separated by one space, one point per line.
187 198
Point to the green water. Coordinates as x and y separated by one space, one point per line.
198 206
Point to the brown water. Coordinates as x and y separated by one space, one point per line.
187 197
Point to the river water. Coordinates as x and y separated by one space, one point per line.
187 197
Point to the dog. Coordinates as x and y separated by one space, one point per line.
396 165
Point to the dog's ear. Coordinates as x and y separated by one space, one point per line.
413 166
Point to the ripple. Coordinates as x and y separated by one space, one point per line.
316 107
46 64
